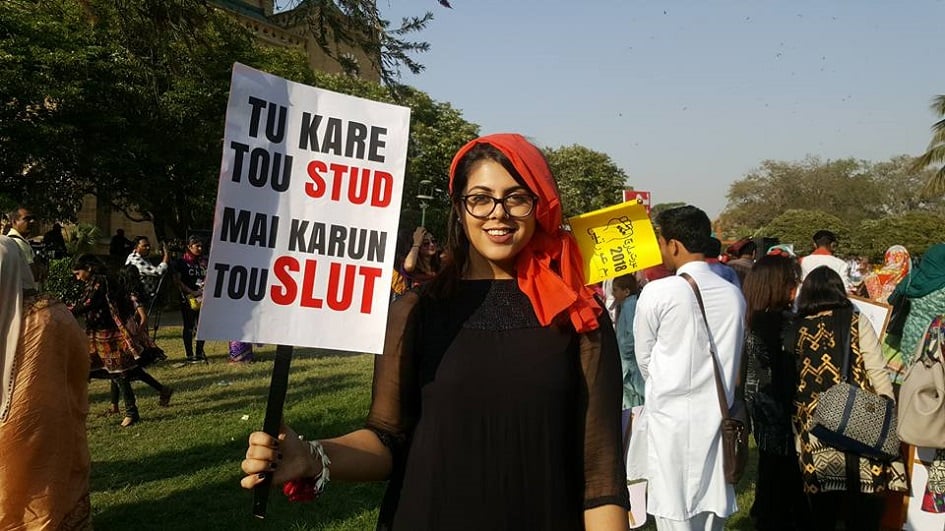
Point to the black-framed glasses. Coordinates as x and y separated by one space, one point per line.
481 206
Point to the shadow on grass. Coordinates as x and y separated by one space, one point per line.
224 405
99 389
220 504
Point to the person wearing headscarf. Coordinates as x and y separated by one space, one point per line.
496 404
44 453
113 353
925 289
881 283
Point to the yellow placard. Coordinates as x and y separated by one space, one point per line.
615 241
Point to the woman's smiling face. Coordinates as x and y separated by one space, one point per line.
496 240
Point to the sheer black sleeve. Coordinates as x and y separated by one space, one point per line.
395 403
605 477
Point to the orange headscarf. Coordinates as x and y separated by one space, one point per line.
882 283
549 269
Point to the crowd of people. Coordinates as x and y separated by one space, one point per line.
442 407
498 400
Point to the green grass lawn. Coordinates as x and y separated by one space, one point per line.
179 467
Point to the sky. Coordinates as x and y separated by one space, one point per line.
687 97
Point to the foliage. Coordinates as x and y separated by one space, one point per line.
342 26
60 281
840 187
120 99
587 180
117 99
935 154
659 207
917 231
900 184
437 131
81 238
849 189
798 227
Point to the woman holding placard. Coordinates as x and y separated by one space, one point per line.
496 403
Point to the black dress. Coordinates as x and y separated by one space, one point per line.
494 421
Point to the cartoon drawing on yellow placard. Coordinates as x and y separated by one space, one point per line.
615 241
616 229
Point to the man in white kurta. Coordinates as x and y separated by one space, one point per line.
683 466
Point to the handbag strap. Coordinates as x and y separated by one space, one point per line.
846 321
719 386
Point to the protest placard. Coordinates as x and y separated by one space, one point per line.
306 216
877 313
615 241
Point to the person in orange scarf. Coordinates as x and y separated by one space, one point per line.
496 403
881 283
44 453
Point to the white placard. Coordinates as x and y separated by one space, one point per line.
916 518
306 217
877 313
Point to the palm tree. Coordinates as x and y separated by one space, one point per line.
935 154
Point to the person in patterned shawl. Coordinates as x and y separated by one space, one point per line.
841 486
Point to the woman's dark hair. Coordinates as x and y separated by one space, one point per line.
114 288
822 290
90 263
457 244
769 284
130 280
435 264
137 240
688 225
627 282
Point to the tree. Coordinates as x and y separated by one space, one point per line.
917 231
437 131
842 187
339 26
587 180
120 100
899 185
935 154
126 100
659 207
796 226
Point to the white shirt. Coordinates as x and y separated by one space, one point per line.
610 303
813 261
27 252
683 440
150 273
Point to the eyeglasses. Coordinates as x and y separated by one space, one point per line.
429 242
481 206
29 218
